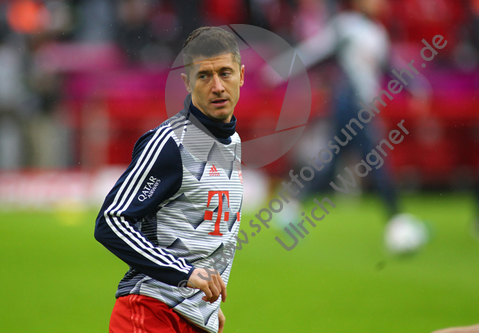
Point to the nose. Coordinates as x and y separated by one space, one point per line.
217 85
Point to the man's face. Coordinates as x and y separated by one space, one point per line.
214 85
372 8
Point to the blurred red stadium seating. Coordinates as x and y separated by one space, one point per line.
133 102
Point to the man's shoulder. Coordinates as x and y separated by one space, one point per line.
236 138
166 134
174 122
171 126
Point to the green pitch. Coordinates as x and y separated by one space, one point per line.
56 278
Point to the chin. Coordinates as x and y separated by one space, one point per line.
221 115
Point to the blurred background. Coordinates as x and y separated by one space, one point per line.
82 80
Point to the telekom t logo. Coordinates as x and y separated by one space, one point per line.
209 214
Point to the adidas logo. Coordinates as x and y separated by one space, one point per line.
214 172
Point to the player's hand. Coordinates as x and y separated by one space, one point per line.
469 329
222 319
211 284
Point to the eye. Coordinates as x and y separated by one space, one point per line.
225 74
202 76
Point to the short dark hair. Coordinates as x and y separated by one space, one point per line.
209 42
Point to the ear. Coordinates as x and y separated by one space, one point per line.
186 81
241 76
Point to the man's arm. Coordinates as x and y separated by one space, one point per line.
154 175
311 51
320 46
468 329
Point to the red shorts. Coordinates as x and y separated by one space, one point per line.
143 314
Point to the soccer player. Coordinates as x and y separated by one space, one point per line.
361 47
174 214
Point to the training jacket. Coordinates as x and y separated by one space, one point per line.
175 208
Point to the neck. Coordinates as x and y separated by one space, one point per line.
227 120
221 130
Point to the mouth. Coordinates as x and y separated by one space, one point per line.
219 102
